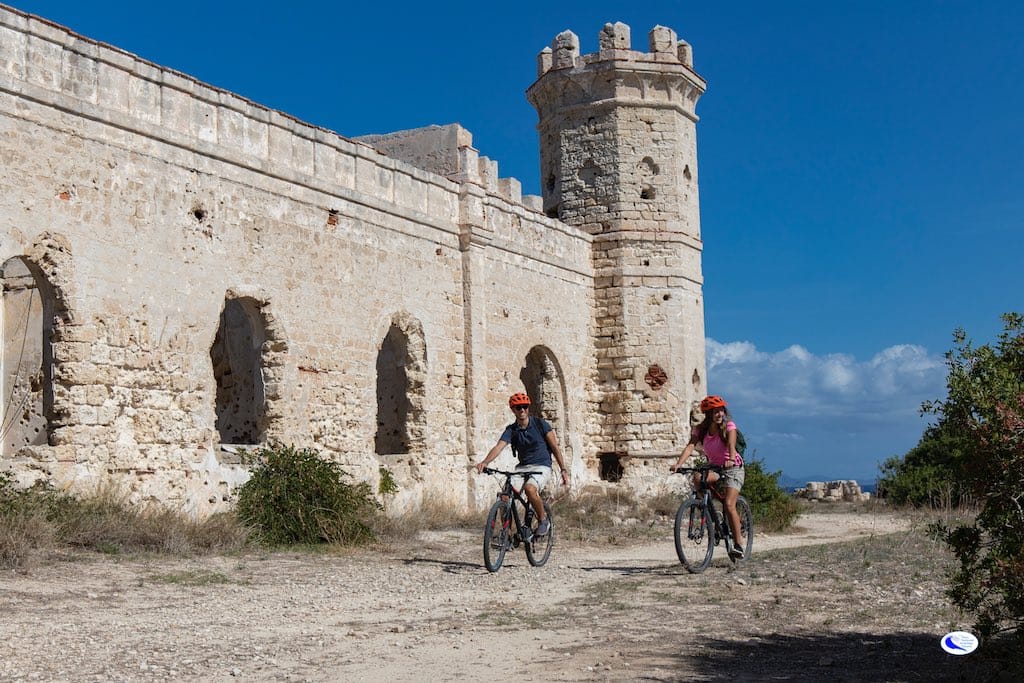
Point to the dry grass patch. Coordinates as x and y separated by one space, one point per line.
613 516
39 522
431 515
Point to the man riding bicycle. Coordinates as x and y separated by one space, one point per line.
533 442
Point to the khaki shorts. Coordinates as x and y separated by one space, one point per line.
541 480
732 478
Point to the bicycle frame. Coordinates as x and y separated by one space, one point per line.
510 493
722 529
713 524
504 518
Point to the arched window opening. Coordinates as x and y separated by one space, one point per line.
393 405
543 381
26 380
237 361
401 385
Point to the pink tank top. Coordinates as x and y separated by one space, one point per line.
717 450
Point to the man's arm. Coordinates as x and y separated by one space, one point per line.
491 455
556 451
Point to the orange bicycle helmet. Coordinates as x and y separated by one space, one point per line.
712 402
519 399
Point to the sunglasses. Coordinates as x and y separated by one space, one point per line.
520 407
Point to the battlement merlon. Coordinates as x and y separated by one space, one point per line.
668 67
448 151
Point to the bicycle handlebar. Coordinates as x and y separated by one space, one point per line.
700 468
491 470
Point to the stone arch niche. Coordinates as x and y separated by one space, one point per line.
401 384
244 350
544 381
27 377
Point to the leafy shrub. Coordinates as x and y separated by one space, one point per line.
296 496
24 528
985 403
387 485
772 507
932 474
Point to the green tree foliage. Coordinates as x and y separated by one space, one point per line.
296 496
933 473
772 507
986 406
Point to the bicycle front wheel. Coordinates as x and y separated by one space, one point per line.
695 536
539 548
746 528
496 535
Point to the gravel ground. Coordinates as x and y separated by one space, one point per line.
825 601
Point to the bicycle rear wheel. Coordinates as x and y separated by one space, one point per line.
746 528
539 548
695 536
496 535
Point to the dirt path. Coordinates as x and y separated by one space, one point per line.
429 614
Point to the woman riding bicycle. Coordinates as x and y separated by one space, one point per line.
717 436
533 443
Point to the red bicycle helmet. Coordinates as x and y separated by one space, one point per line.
519 399
712 402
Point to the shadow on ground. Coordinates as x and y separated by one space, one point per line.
448 566
839 657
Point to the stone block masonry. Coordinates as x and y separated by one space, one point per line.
187 274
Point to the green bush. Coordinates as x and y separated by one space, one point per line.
772 507
296 496
932 474
985 404
25 530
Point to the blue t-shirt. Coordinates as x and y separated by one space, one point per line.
529 443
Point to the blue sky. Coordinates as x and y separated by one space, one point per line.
861 177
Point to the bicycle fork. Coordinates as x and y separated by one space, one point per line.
697 530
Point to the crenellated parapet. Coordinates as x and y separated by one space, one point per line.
448 151
664 74
617 131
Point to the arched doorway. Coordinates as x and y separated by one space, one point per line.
237 359
542 377
401 374
27 360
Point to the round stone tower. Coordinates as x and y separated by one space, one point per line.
619 160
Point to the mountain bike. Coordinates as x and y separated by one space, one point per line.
701 524
511 522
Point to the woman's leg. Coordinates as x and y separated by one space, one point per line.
731 496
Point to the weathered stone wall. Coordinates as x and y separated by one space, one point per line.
211 275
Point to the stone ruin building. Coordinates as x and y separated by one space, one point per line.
187 274
843 490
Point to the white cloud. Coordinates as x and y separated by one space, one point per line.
784 436
897 379
826 416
